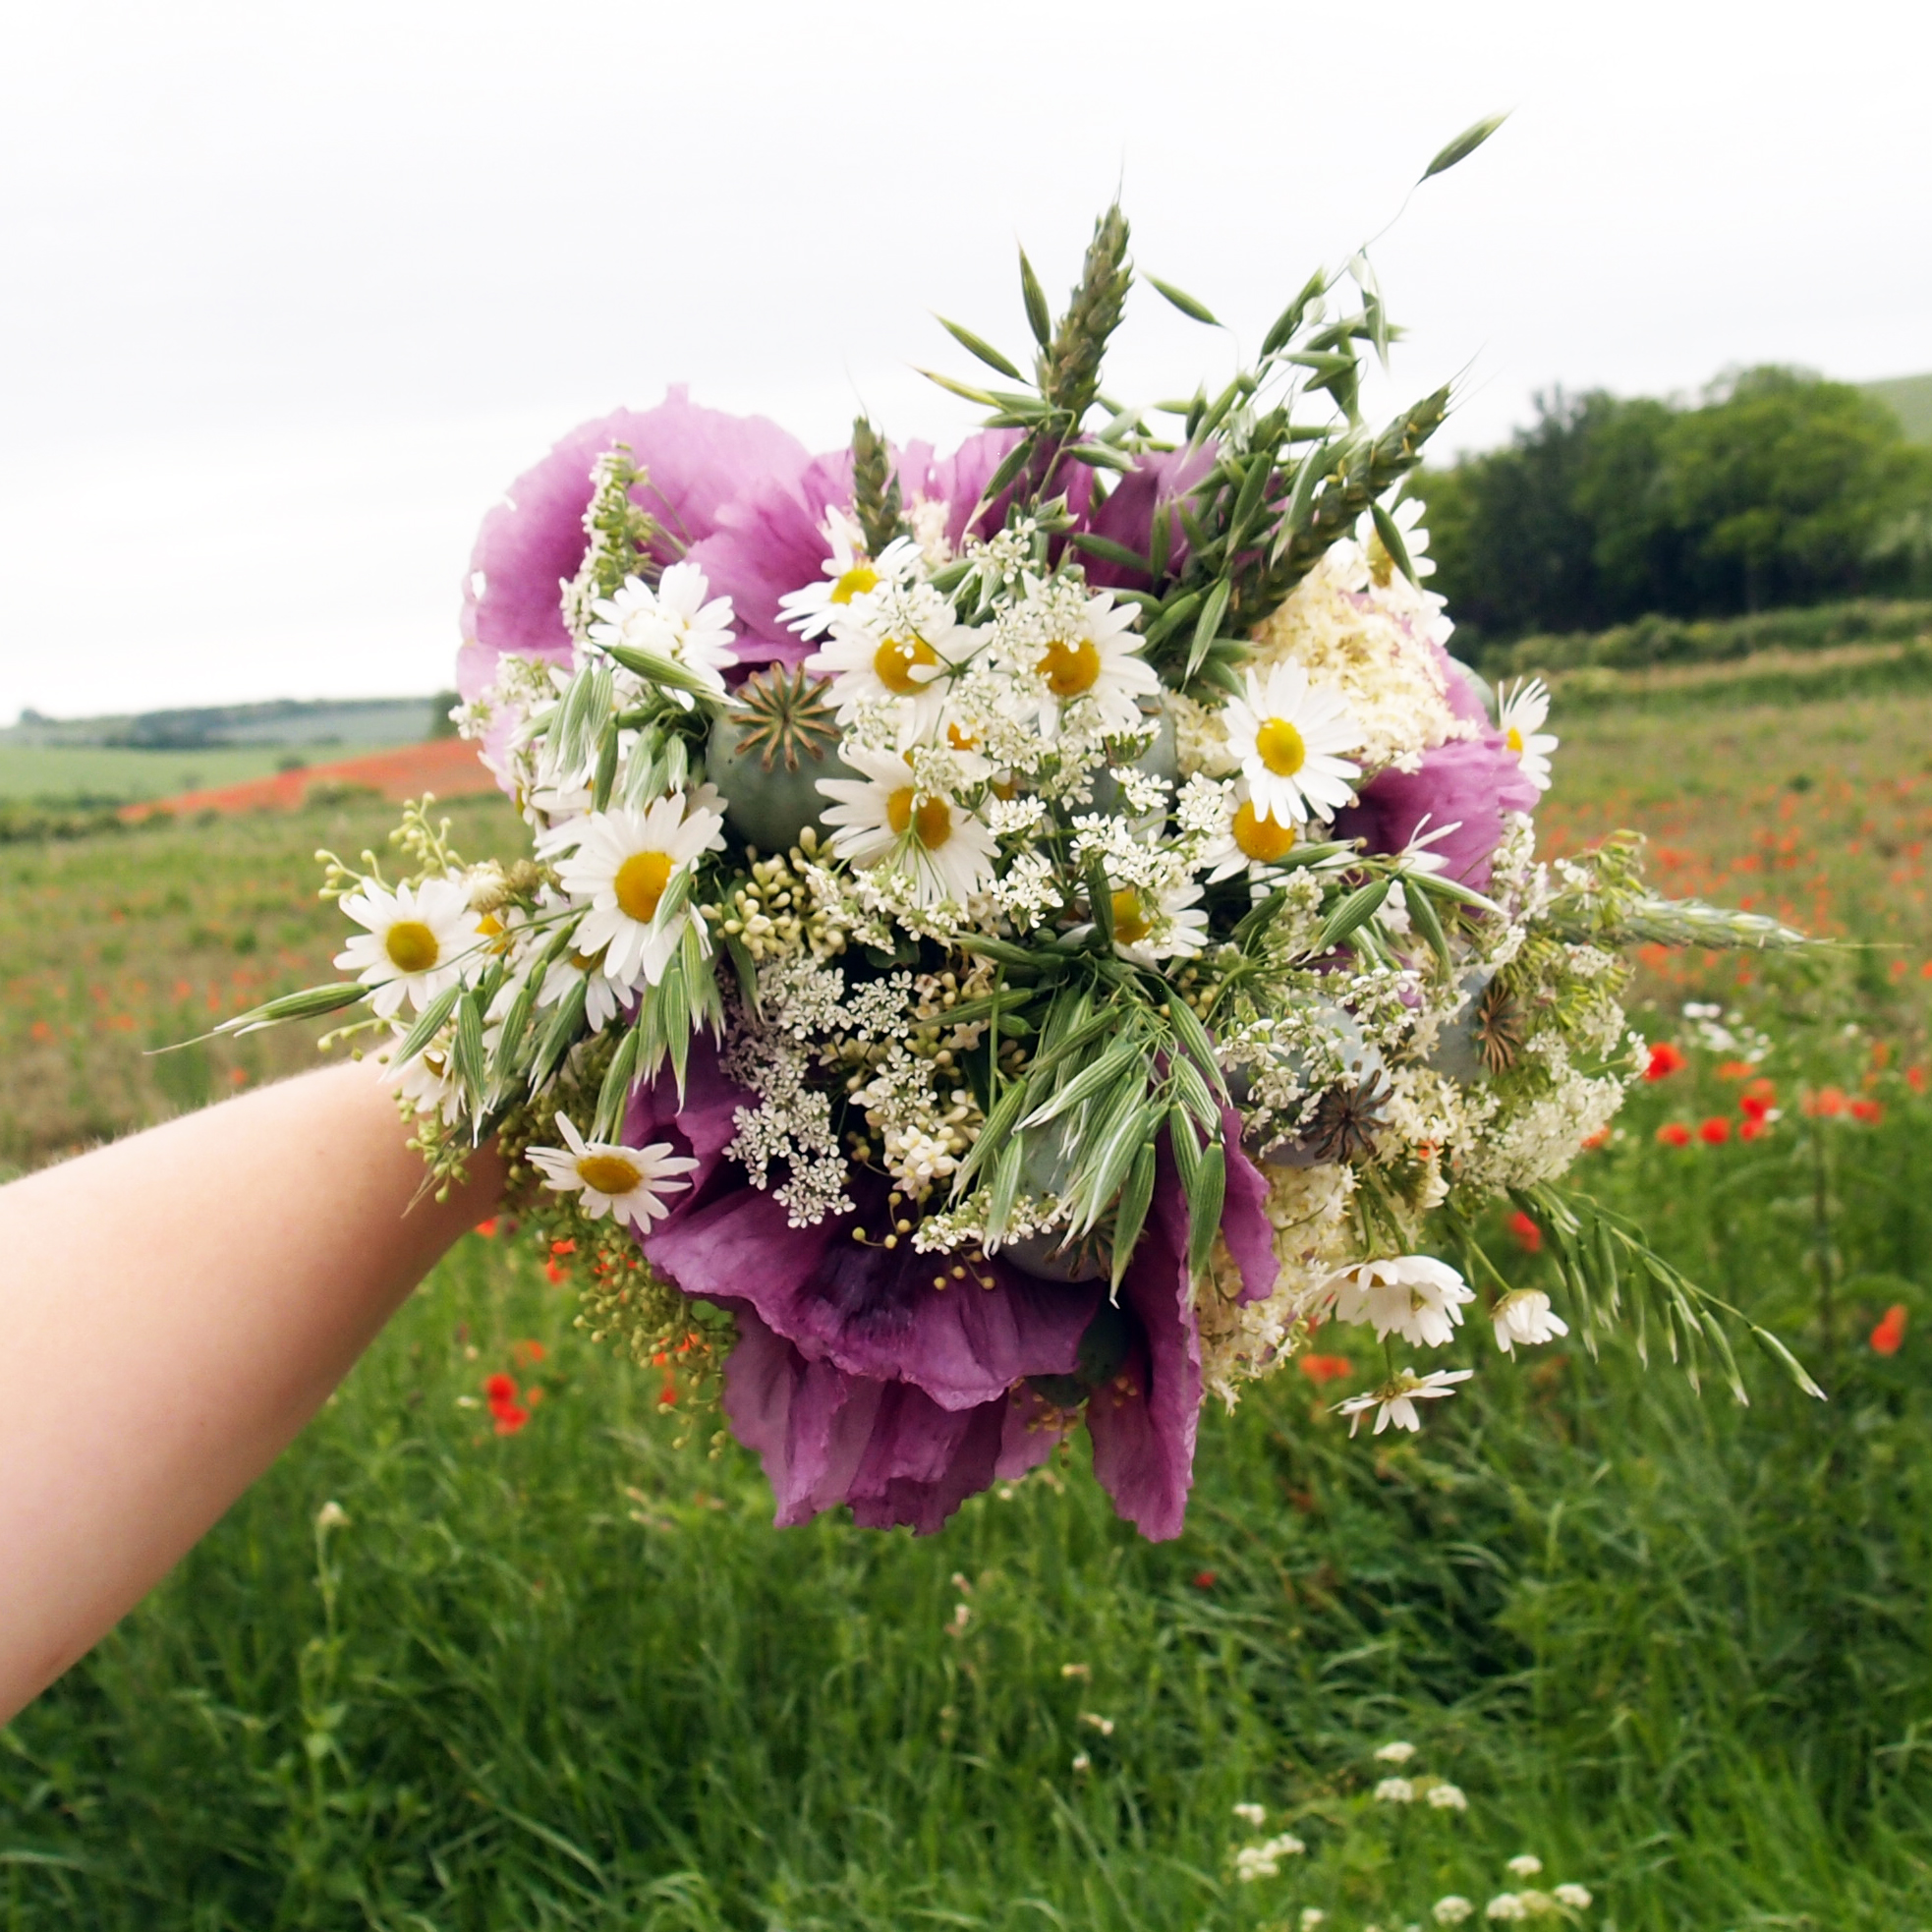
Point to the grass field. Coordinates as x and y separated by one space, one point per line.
570 1676
122 775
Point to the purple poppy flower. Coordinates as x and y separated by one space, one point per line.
1468 783
857 1381
1158 483
699 460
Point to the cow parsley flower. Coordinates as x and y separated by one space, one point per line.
624 866
1399 1752
1575 1896
1452 1910
1395 1791
1288 737
1395 1401
676 620
1525 1316
1521 715
883 819
1525 1864
419 938
628 1183
1445 1796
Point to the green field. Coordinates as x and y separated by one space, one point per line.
122 774
571 1677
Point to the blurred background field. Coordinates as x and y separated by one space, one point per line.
555 1668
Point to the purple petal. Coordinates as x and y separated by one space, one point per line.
698 459
1143 1423
826 1438
874 1310
702 1123
1156 484
1244 1223
1469 784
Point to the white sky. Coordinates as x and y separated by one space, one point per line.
288 293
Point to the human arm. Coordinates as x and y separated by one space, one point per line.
175 1306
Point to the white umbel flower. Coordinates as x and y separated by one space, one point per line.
882 819
1395 1791
1525 1316
624 866
677 620
1416 1296
1289 737
628 1183
1575 1896
1525 1864
849 575
1452 1910
419 941
1395 1401
1446 1797
1400 1753
1522 715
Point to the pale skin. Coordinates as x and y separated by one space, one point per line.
237 1263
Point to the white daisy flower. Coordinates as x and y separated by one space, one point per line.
850 574
882 819
1092 659
628 1183
1247 841
1395 1401
418 942
1525 1316
426 1083
624 865
893 649
1151 925
1522 715
1416 1296
1287 737
676 620
1408 518
602 997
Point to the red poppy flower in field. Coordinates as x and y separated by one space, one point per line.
1528 1236
487 1228
556 1271
1601 1138
1891 1330
1715 1131
1326 1368
1665 1060
1735 1070
1916 1079
499 1388
1673 1133
563 1247
1871 1112
1754 1129
509 1418
1757 1100
528 1352
1206 1579
1827 1103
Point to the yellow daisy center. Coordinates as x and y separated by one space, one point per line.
932 823
855 583
583 962
892 664
608 1174
641 881
1262 839
959 740
411 945
1515 740
1131 924
1069 668
1280 748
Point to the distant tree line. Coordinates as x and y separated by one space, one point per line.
1778 488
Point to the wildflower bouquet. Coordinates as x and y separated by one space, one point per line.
1013 939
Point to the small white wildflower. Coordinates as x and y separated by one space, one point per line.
1524 1315
1105 1726
1525 1864
1395 1791
1252 1815
1082 1763
1447 1798
332 1516
1506 1906
1575 1896
1311 1917
1452 1910
1400 1753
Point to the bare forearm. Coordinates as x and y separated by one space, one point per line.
176 1307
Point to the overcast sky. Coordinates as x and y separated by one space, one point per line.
288 294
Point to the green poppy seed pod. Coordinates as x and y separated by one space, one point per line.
769 798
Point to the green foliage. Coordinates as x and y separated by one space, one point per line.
1778 488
